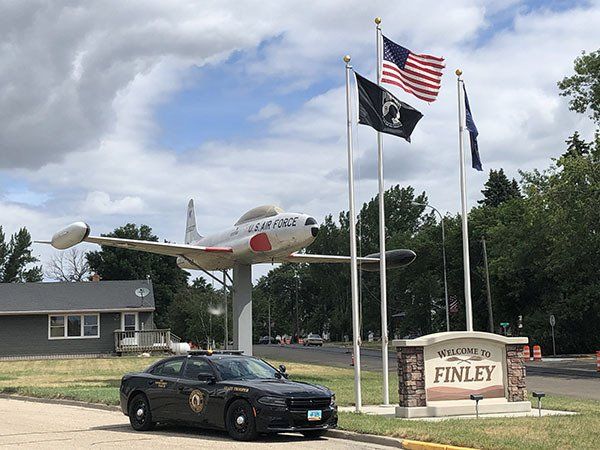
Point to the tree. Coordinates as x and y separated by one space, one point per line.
16 257
584 87
69 266
121 264
196 314
577 146
498 189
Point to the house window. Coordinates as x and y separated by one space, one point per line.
73 326
129 321
90 325
57 326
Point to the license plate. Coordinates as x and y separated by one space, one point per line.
314 414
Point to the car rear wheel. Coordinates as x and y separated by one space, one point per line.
240 422
140 415
313 434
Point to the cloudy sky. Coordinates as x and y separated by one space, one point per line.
117 111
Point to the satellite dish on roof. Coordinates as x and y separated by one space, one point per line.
142 292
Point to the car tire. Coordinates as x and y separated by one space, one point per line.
313 434
140 413
240 421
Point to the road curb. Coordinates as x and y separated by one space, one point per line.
366 438
61 401
421 445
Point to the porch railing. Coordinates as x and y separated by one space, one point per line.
144 341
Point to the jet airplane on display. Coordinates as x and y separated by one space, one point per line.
265 234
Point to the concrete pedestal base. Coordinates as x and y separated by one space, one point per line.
242 308
463 407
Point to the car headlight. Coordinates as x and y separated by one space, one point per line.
332 401
272 401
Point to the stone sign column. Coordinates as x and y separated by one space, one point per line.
411 376
515 367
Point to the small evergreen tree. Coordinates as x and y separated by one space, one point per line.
15 258
498 189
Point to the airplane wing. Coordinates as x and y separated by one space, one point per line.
80 232
370 263
309 258
156 247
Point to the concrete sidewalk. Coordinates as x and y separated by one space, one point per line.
390 411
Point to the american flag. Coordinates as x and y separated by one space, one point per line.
420 75
453 305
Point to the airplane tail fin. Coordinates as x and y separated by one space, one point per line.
191 233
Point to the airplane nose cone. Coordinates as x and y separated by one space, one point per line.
314 231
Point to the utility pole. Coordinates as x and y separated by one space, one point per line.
269 309
487 284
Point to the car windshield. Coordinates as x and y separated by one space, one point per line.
244 369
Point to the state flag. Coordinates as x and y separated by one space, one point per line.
473 133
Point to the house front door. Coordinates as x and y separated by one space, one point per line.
130 324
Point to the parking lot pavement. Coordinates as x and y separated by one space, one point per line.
43 425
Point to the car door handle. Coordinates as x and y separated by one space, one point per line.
184 390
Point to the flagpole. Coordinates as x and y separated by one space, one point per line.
382 264
463 199
353 260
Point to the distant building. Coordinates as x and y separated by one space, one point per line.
98 317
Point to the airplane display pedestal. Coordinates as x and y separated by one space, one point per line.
439 372
242 308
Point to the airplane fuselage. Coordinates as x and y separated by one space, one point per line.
257 241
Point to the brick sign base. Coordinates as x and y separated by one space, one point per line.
438 373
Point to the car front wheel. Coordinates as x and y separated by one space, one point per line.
140 415
240 422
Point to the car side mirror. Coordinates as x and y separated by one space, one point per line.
209 379
282 371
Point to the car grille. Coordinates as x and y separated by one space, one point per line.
309 403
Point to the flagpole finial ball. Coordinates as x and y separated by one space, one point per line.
347 58
458 72
377 20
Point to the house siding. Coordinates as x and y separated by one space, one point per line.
27 335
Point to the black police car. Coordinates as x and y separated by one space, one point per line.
228 391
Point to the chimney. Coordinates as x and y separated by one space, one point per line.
95 277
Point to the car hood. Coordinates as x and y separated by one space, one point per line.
283 387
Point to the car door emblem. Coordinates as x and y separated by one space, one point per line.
161 384
196 401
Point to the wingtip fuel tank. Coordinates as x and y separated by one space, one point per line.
70 235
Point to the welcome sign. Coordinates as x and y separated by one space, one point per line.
457 368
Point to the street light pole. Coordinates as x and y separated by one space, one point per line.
444 260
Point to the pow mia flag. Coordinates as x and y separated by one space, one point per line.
384 112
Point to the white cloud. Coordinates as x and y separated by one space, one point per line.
268 111
98 202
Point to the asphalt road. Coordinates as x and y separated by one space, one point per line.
51 426
573 377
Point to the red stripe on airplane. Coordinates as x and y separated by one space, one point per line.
219 249
260 243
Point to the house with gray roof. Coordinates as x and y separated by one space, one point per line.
97 317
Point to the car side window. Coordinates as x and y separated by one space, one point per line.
168 368
196 367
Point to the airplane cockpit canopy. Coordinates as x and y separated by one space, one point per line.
260 212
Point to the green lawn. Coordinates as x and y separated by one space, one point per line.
97 380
